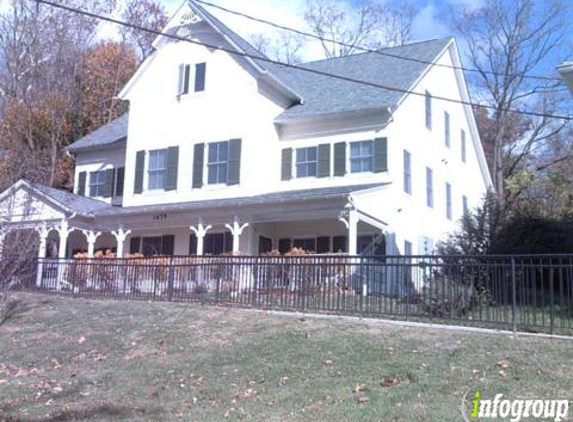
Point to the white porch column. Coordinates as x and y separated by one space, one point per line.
43 231
200 231
91 237
236 230
120 236
64 231
352 232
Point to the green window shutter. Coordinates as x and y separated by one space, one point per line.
198 161
119 180
324 160
380 155
139 169
286 166
234 164
340 159
108 183
82 183
172 163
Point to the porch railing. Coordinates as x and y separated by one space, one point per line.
529 293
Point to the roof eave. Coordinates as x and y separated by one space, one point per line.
566 71
333 115
115 144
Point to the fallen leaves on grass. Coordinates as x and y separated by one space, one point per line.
358 388
138 353
395 381
503 364
12 371
249 392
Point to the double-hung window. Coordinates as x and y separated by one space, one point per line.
361 157
306 162
97 183
157 168
447 128
218 159
407 172
448 201
428 99
198 82
429 187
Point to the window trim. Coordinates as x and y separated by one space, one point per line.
207 164
407 176
447 129
149 170
428 109
306 163
361 157
449 212
100 185
429 187
189 82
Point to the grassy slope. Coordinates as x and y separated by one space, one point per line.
66 359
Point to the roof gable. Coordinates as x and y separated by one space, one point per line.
24 200
182 24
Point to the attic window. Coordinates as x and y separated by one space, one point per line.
198 82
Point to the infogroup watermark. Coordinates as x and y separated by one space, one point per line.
476 407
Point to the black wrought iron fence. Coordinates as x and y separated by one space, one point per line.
530 293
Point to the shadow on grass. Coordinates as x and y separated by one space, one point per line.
105 411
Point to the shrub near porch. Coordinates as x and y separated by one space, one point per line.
71 359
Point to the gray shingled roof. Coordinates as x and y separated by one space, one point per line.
79 204
325 95
114 132
269 198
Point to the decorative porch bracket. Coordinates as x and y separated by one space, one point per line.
236 230
120 236
64 231
200 231
91 237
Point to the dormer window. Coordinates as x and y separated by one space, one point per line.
185 81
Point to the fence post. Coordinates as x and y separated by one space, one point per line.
514 296
551 301
170 276
363 285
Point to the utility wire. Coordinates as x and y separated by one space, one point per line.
303 69
367 50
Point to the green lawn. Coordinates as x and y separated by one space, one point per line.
72 359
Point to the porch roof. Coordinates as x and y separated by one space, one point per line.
268 198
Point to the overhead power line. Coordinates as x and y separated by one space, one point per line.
297 67
367 50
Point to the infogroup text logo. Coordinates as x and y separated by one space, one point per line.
476 407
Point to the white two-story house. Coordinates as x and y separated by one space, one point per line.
223 151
